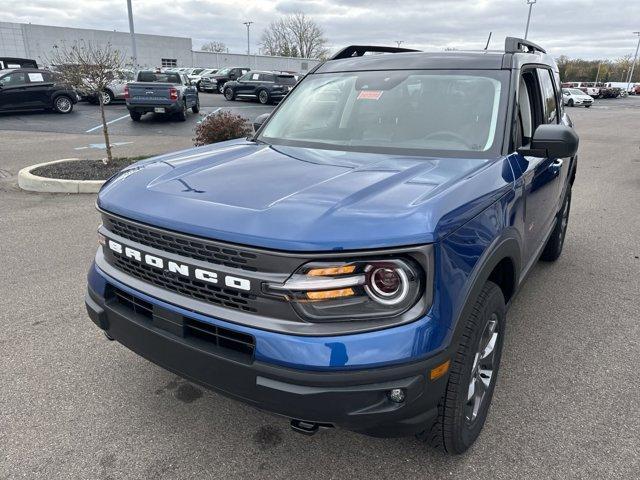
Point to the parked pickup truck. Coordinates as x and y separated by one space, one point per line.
351 264
168 93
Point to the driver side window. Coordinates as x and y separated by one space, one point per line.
13 79
529 108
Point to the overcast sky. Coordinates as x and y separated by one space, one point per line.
577 28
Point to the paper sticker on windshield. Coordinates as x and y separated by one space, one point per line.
369 94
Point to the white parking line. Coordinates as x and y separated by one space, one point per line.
108 123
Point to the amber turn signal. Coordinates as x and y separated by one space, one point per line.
328 294
331 271
440 370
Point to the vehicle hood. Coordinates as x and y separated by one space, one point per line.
291 198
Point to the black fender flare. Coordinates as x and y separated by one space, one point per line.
505 247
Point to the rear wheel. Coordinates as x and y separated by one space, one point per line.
229 94
135 116
587 106
220 87
464 406
196 107
553 248
263 97
570 103
182 114
62 104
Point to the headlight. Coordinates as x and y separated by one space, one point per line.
363 289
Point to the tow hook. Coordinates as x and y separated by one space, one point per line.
308 428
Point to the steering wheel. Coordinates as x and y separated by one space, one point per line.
444 133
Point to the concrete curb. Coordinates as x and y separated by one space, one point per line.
34 183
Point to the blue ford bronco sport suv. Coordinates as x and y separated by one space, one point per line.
352 263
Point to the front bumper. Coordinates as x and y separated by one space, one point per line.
352 399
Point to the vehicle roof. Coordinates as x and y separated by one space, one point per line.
459 60
25 69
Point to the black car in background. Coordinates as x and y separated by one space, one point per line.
34 89
266 87
226 75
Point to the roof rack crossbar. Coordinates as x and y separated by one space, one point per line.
360 50
514 44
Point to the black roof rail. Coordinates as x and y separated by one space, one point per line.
360 50
514 45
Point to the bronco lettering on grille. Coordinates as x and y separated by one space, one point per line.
178 268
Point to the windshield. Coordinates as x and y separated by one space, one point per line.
196 71
575 91
224 71
393 111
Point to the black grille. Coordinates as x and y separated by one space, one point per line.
212 335
181 245
187 286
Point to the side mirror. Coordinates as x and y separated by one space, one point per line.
552 141
259 121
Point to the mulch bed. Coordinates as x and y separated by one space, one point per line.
84 169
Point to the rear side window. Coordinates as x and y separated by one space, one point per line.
266 77
549 99
255 76
285 80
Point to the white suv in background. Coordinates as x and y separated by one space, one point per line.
574 97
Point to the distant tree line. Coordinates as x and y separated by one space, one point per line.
578 70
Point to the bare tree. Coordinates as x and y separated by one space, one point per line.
215 47
89 67
295 35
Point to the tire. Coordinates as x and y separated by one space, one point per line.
263 97
107 97
229 94
199 86
62 104
570 103
135 116
182 114
553 248
587 106
196 107
220 88
461 416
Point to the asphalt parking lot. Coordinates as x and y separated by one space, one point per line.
74 405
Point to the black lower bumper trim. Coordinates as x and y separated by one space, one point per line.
354 400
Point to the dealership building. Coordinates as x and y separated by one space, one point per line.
37 42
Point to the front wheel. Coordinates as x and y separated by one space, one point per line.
463 408
220 87
570 103
196 107
107 97
63 104
229 94
553 248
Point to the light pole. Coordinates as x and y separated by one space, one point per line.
635 57
399 42
530 3
248 24
133 36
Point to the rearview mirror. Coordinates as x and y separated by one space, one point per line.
259 121
552 141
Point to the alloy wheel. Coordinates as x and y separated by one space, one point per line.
482 372
63 104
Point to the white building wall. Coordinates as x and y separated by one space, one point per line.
255 62
38 41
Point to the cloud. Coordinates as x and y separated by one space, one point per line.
580 28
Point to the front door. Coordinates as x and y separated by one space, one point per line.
13 91
537 104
